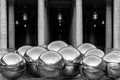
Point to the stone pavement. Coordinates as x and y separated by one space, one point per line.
26 77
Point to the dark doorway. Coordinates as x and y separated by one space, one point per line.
60 19
25 22
94 22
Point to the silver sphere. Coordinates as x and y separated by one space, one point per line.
31 57
50 65
56 45
96 52
93 68
83 48
12 65
72 59
23 49
113 64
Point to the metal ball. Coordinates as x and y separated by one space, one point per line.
96 52
93 68
12 65
72 59
23 49
31 57
85 47
56 45
113 64
50 65
112 57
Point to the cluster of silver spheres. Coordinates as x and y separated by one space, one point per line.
58 59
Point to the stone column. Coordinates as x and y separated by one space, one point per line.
46 34
78 24
3 25
11 25
72 31
108 26
116 24
42 23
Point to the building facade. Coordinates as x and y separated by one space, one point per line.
38 22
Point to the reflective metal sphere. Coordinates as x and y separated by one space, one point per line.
56 45
96 52
85 47
23 49
112 57
72 59
12 65
50 65
93 68
31 57
113 64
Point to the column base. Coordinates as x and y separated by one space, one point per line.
11 49
108 50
